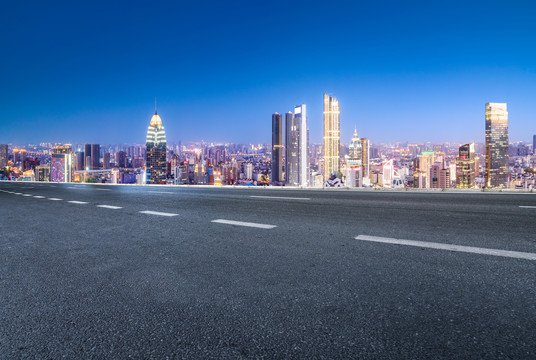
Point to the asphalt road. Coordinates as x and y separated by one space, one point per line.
151 275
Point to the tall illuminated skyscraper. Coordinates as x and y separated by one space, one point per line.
496 174
332 135
92 156
156 151
365 157
467 166
297 146
277 148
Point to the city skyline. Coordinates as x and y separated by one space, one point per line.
393 78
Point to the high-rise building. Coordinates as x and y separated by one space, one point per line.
365 157
534 144
61 164
156 151
467 165
277 148
354 165
421 171
121 159
106 160
79 160
92 156
300 116
3 156
331 136
292 148
439 176
496 174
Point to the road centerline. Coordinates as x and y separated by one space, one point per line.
243 223
110 207
278 197
149 212
77 202
450 247
527 207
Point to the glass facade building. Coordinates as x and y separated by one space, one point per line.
332 136
156 151
297 146
467 167
277 148
496 174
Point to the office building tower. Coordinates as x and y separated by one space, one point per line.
496 173
439 176
42 173
331 136
121 159
467 167
79 161
365 156
421 169
277 148
106 160
61 164
156 151
4 156
292 148
92 156
300 117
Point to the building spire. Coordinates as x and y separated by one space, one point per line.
155 106
355 131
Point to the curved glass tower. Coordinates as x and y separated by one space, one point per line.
156 151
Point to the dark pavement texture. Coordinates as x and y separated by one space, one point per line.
79 281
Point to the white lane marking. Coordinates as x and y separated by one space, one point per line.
110 207
39 197
55 199
278 197
77 202
528 207
103 189
17 193
450 247
243 223
161 192
26 194
157 213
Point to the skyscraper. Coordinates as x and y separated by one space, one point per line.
61 164
292 148
331 136
297 146
277 148
3 156
496 174
467 165
439 176
156 151
106 160
92 156
365 157
534 144
300 116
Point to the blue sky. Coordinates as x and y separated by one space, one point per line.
88 71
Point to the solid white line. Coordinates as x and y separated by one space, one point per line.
157 213
528 207
77 202
450 247
109 207
55 199
39 197
242 223
278 197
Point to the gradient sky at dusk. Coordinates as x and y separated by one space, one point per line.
88 71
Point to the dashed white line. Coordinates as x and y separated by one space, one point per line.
243 223
157 213
279 197
54 199
39 197
110 207
450 247
103 189
77 202
26 194
18 193
527 207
